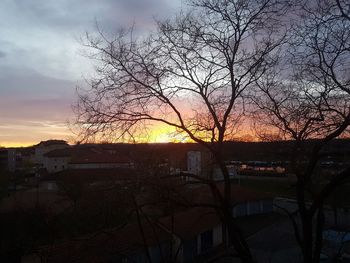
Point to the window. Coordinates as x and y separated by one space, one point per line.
189 250
206 241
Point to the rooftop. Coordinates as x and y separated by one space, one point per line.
105 245
52 142
84 155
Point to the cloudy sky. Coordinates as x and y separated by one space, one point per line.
41 60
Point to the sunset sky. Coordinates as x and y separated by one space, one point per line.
41 60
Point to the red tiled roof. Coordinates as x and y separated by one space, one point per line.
190 223
128 240
66 152
80 155
99 173
91 157
99 247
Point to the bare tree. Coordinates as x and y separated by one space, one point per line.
310 99
191 74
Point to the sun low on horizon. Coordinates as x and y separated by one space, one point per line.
156 134
39 76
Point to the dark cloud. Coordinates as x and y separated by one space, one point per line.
40 61
24 82
69 15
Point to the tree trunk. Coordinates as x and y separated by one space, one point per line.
235 235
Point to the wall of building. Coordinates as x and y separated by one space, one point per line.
3 158
41 150
194 162
339 217
217 235
97 165
9 159
55 164
253 208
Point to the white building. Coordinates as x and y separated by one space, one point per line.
200 163
47 146
56 161
83 158
194 162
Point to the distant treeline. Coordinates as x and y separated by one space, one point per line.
243 151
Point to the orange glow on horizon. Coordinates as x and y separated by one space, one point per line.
160 133
165 134
17 144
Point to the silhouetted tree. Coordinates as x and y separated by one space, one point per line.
191 74
310 99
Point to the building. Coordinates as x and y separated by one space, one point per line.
200 163
193 235
78 157
194 162
195 232
130 243
3 159
57 160
47 146
181 239
99 160
10 159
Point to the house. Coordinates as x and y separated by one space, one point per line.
130 243
181 238
195 232
57 160
84 158
8 159
192 235
47 146
17 159
198 233
199 163
99 160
